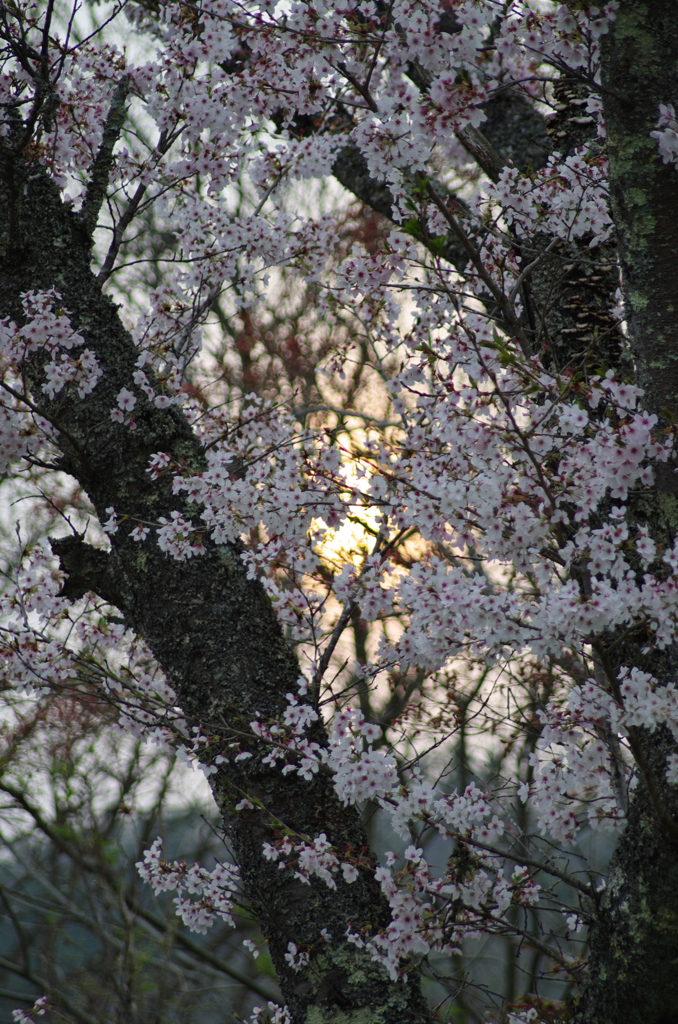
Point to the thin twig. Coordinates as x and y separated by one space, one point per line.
334 640
45 416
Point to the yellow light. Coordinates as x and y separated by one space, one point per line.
354 539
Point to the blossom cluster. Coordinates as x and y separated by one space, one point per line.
565 198
666 134
28 1016
271 1014
418 896
314 859
48 328
419 899
214 890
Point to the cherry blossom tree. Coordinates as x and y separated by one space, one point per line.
402 583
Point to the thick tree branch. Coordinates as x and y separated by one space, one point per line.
87 568
100 170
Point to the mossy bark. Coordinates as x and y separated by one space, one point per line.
640 71
634 942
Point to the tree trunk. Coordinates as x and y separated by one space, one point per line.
634 944
640 71
212 630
